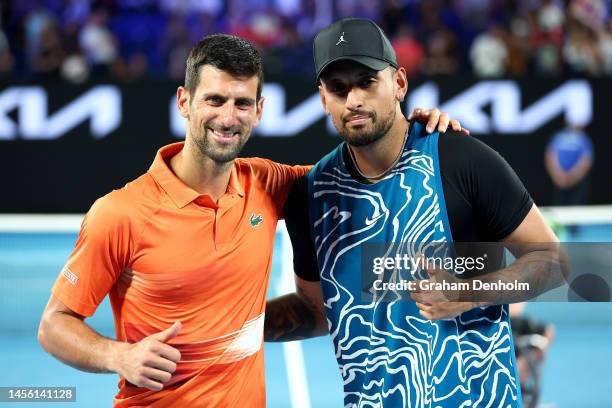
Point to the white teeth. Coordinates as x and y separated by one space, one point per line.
222 134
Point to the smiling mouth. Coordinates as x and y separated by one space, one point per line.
223 135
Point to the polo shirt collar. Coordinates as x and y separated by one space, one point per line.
234 186
180 193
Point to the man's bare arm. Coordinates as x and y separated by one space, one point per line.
64 334
148 363
540 263
296 316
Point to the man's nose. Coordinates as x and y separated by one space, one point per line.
228 117
354 99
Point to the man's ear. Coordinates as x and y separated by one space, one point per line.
401 84
182 101
259 106
323 101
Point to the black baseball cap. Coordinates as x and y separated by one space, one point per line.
354 39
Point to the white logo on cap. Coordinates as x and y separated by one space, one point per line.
341 39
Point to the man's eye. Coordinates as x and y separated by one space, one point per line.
243 104
366 82
215 100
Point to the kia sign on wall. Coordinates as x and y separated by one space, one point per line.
62 146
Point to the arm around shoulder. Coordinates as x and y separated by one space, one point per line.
298 315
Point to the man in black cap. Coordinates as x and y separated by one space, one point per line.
391 183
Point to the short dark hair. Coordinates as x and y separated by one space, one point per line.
228 53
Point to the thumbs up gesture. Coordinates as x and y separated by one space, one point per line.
150 362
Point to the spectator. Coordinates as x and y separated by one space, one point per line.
98 42
74 68
315 15
175 46
202 23
580 51
550 16
409 51
50 54
489 54
547 38
36 22
495 38
605 48
264 29
429 22
392 17
239 12
292 57
591 13
569 158
442 54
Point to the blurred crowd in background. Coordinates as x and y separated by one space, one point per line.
130 39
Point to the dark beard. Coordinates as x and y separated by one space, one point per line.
217 154
359 138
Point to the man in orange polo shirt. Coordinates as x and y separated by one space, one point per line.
184 252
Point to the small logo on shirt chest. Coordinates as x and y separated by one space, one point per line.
256 220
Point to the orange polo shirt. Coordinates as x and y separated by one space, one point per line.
165 253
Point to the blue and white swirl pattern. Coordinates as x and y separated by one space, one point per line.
387 353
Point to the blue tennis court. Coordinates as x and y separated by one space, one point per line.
299 374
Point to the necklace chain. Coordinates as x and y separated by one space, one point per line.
384 173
